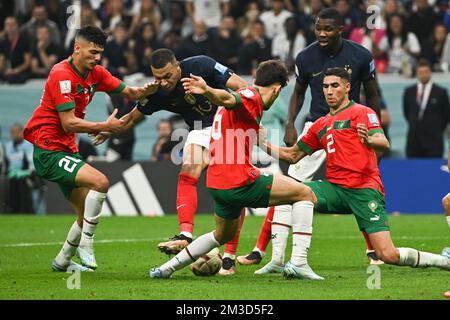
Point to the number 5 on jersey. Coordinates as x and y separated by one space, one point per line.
68 163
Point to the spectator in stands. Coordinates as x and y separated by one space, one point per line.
307 18
433 48
208 11
163 146
199 42
19 154
177 22
172 41
115 14
117 54
15 54
148 13
146 43
427 110
256 50
274 19
352 16
421 22
245 22
286 45
390 7
40 18
226 43
45 53
401 46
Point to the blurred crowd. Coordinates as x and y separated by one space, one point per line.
36 34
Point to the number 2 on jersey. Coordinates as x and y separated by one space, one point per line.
330 142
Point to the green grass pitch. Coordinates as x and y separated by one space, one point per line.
126 249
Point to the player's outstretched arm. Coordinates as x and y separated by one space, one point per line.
289 154
377 141
196 85
295 105
235 82
72 123
130 120
139 93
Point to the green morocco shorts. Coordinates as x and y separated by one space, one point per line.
58 166
367 205
230 202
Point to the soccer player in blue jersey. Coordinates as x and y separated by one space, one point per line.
330 50
168 94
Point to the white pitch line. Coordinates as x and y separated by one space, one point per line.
35 244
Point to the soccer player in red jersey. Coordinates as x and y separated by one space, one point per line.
232 180
351 135
70 87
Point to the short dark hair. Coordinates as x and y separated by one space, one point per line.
423 63
93 34
270 72
338 72
161 57
332 14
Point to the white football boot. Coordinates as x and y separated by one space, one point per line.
271 267
302 272
87 257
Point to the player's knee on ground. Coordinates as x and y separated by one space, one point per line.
388 255
446 204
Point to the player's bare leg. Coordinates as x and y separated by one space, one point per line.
286 190
195 160
229 256
387 252
446 205
87 200
264 237
225 231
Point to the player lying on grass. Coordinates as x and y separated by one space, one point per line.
70 87
232 180
351 134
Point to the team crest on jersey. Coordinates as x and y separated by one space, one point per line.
65 86
373 119
190 98
348 69
372 205
247 93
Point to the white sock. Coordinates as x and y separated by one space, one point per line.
302 217
448 221
197 248
92 207
281 224
414 258
70 245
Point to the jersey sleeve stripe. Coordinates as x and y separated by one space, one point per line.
303 146
373 131
119 88
65 106
238 100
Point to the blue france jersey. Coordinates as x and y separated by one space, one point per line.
312 62
194 107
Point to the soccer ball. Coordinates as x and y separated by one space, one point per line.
208 264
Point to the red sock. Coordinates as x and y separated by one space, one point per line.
266 230
231 246
186 201
366 237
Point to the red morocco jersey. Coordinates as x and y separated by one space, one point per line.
66 88
349 164
233 135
